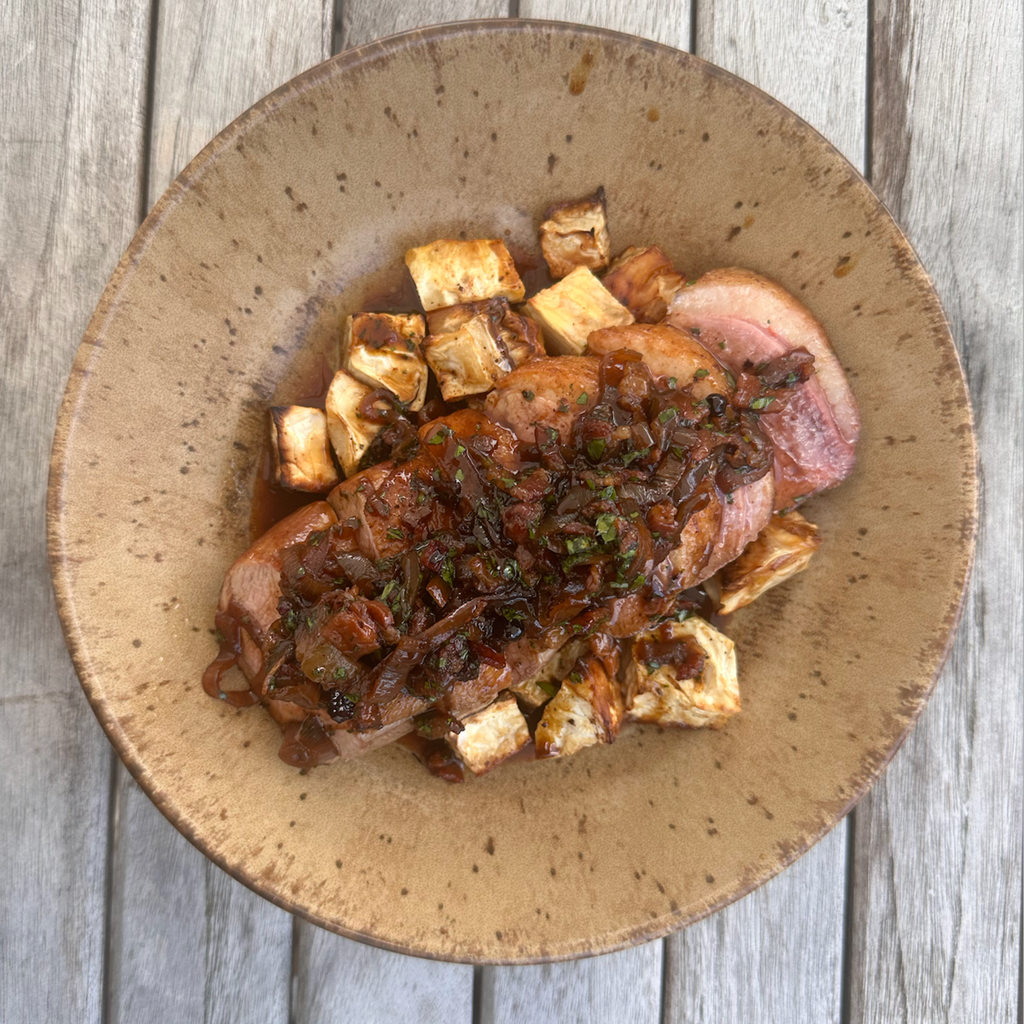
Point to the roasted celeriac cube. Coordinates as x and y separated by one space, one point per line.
587 709
447 272
469 360
644 281
383 350
517 335
576 235
350 431
299 449
695 686
544 683
573 307
491 735
782 549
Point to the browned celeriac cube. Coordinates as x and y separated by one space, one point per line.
448 272
781 550
517 335
644 281
469 360
383 350
572 308
587 709
350 431
491 735
575 234
668 695
298 445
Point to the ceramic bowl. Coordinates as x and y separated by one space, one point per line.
232 292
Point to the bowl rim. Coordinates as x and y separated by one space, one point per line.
63 586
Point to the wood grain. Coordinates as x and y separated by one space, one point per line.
663 21
362 21
622 987
70 148
338 979
936 892
778 954
188 942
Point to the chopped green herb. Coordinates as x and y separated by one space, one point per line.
300 572
460 451
666 414
730 379
310 622
606 528
700 374
632 456
340 673
575 677
672 382
595 448
529 396
395 533
721 344
437 438
459 475
695 331
547 686
582 398
762 403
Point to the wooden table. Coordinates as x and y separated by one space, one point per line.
909 911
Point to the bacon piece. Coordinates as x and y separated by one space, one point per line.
742 317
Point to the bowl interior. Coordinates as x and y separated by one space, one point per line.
232 292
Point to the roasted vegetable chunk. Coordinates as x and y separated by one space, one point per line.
644 281
383 350
587 709
351 432
682 673
570 309
491 735
448 272
516 335
782 549
469 361
576 235
298 446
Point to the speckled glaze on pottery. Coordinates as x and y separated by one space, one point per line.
234 287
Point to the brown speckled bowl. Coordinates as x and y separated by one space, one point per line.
234 286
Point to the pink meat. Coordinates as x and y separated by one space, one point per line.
743 318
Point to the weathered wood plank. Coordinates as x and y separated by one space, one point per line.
663 21
623 987
218 952
72 98
338 979
936 895
778 954
362 21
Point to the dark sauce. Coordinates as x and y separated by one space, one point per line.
436 756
